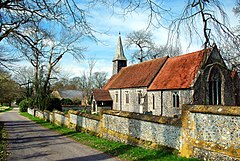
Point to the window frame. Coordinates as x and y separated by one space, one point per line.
139 97
153 101
116 97
215 87
175 100
127 97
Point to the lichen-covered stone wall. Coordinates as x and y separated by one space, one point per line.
30 111
211 132
84 122
39 114
205 132
60 119
144 130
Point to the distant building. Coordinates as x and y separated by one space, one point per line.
101 99
161 86
71 94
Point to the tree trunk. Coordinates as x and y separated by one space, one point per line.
36 82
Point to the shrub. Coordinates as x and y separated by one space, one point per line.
66 101
18 100
77 102
53 103
31 103
23 105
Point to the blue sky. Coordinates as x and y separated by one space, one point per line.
109 25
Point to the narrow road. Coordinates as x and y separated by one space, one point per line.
30 141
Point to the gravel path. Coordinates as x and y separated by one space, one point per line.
30 141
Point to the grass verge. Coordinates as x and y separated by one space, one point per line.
117 149
3 143
5 108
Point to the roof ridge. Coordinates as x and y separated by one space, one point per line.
186 54
146 61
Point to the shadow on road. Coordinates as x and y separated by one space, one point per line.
96 157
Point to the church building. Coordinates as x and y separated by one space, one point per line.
161 86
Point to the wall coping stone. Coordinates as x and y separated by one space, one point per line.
48 111
213 109
59 112
143 117
90 116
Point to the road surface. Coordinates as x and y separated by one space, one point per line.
30 141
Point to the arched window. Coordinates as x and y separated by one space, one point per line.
215 84
175 99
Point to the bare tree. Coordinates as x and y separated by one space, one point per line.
148 49
16 14
141 39
23 75
46 52
231 49
231 55
158 51
6 61
66 45
156 11
100 79
200 19
203 20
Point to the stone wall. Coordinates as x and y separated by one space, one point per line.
211 132
84 122
39 114
60 118
143 130
66 108
74 120
205 132
30 111
48 116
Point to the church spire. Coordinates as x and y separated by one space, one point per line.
119 59
119 54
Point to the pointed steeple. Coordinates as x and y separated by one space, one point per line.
119 54
119 59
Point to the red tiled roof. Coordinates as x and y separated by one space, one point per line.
179 72
101 95
138 75
110 81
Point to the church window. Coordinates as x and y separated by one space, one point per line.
139 97
116 97
127 97
175 99
215 87
153 101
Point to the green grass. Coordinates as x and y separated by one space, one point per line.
120 150
3 135
3 143
5 108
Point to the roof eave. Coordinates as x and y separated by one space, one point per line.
170 89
